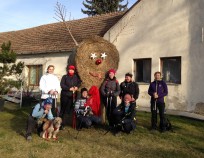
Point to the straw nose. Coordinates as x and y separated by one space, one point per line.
98 61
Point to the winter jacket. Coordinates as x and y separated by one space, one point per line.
110 87
38 112
130 114
67 82
79 106
129 88
49 82
162 91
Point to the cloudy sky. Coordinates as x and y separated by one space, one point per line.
21 14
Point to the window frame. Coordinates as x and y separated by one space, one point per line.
37 74
161 68
135 70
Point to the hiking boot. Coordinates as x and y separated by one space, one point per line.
163 130
29 138
117 134
131 132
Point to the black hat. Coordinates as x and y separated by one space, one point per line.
128 74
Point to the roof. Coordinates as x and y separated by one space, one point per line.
55 38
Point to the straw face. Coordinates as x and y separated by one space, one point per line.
94 57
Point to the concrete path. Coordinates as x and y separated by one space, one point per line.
178 113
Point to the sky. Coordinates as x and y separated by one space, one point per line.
22 14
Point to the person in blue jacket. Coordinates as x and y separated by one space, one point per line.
39 114
157 90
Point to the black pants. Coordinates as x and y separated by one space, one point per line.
110 104
127 124
87 121
154 107
66 106
54 112
31 125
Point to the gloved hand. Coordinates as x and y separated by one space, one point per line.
107 94
112 95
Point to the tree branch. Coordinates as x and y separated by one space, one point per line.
60 13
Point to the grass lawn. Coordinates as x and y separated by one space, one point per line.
186 141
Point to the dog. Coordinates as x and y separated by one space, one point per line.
51 128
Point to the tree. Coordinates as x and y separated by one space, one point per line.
10 71
60 12
98 7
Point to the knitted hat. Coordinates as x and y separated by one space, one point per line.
127 97
48 101
112 70
71 67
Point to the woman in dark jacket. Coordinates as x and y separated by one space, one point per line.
158 90
69 84
110 89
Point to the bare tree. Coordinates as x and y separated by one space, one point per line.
60 12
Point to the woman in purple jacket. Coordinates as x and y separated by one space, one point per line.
157 90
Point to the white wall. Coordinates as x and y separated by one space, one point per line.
59 60
162 28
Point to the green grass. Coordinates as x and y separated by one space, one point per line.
186 141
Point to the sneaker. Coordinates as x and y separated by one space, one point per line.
29 138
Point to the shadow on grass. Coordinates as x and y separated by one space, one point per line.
20 115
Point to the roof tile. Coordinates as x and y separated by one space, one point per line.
55 38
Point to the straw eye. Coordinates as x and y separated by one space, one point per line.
93 55
103 55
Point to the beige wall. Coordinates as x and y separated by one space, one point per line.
59 60
164 28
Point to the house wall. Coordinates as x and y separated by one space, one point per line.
59 60
164 28
196 59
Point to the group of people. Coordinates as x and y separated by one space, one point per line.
87 107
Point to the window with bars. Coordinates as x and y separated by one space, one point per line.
143 70
34 75
171 69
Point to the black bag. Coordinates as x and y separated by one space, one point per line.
167 124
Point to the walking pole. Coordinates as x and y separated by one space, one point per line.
155 104
106 114
56 108
73 113
110 106
78 129
110 100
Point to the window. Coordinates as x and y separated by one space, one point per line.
171 69
143 70
34 75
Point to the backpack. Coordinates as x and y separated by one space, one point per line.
34 107
168 125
